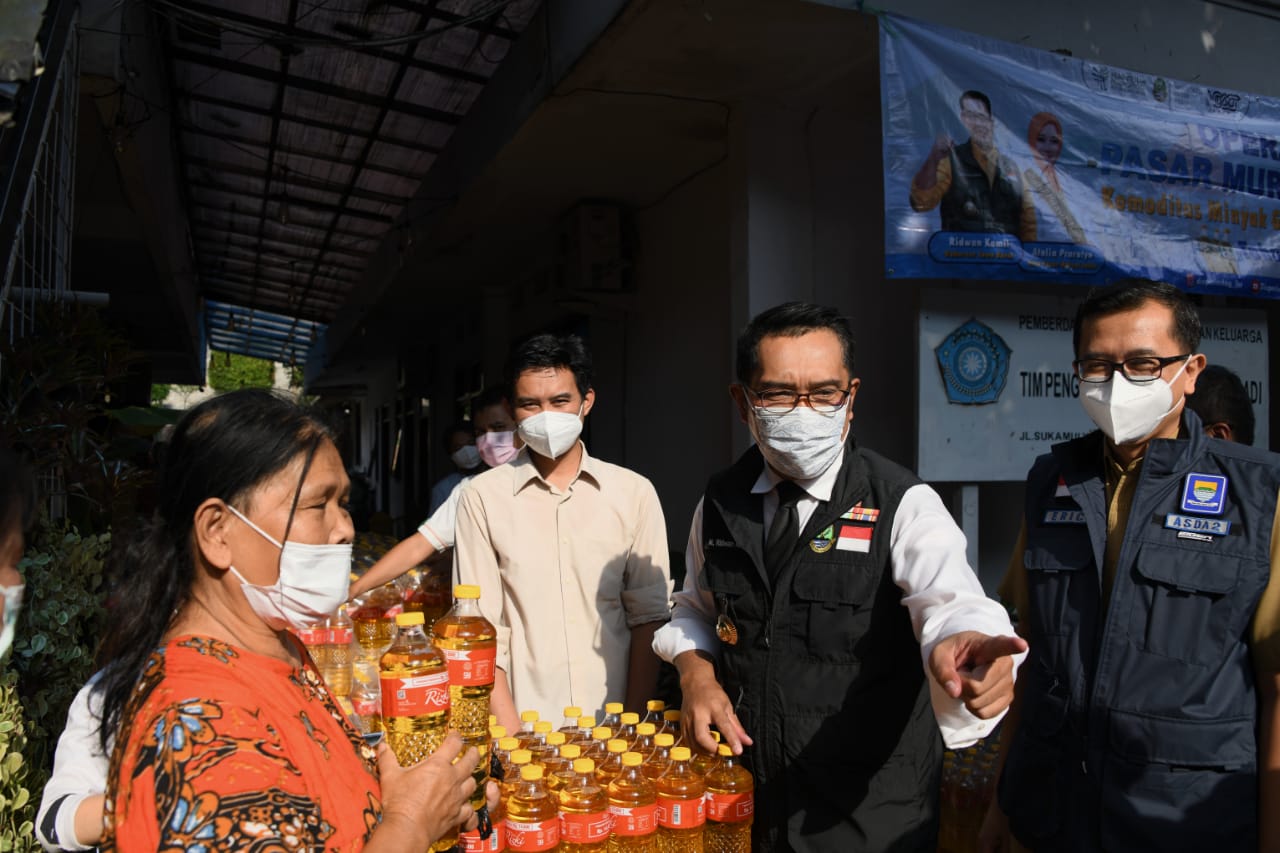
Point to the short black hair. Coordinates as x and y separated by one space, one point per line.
1129 295
1221 397
975 95
17 494
790 320
551 351
456 428
492 396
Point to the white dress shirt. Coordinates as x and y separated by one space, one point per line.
927 558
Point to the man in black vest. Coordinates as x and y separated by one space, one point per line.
977 187
829 613
1146 716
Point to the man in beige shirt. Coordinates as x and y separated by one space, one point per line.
570 552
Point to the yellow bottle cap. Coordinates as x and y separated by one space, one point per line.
413 617
555 738
466 590
493 720
665 739
724 750
716 735
671 716
570 751
630 718
524 756
507 744
572 712
528 716
497 732
542 726
531 772
618 746
586 722
679 753
584 765
601 733
655 705
646 729
632 759
613 708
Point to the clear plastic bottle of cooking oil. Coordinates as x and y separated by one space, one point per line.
659 761
653 711
627 727
612 716
585 822
634 806
671 725
527 719
533 822
415 697
644 740
607 770
557 769
586 725
730 805
596 750
570 725
469 644
702 761
682 813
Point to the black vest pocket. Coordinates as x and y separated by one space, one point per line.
1182 606
1035 787
831 608
1060 578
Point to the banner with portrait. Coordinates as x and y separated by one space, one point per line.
1004 162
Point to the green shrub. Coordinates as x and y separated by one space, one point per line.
57 632
228 371
160 393
18 800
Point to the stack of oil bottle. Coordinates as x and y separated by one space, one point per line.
624 783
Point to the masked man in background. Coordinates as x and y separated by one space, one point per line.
570 552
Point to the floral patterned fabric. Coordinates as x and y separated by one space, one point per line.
224 749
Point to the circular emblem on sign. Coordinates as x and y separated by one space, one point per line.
974 363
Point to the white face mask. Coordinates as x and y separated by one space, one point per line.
12 607
497 448
314 580
466 457
801 444
551 434
1129 411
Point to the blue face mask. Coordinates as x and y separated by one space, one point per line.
12 607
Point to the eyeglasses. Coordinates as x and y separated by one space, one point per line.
1140 370
780 401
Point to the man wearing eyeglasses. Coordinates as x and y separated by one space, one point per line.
977 187
1146 714
828 613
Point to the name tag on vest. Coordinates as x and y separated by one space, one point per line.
1064 516
1209 526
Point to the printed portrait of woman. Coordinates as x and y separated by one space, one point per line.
1057 224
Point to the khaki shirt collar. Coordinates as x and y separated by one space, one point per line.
524 472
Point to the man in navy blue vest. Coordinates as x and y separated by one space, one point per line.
1146 712
829 618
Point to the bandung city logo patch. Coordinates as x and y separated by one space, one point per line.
1204 494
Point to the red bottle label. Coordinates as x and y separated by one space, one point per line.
730 808
634 820
340 636
313 636
585 828
409 696
470 842
538 835
471 667
681 814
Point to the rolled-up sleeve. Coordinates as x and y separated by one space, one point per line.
693 616
476 562
944 597
646 590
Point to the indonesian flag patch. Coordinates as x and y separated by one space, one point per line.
855 537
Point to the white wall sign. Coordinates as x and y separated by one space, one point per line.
1015 349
